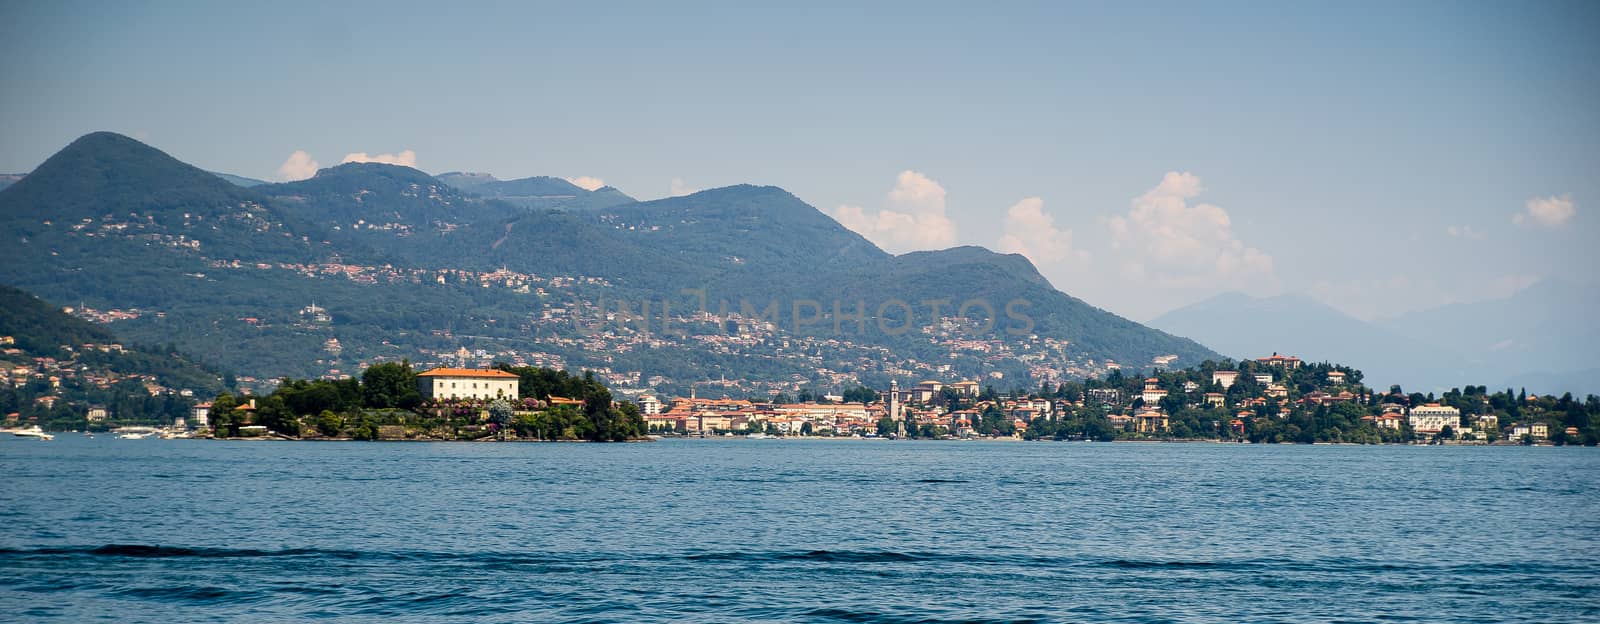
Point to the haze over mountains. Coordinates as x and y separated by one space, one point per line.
1539 338
467 268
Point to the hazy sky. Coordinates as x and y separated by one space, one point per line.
1380 157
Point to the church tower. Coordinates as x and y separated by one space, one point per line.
893 402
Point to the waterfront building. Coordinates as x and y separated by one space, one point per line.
465 383
1428 420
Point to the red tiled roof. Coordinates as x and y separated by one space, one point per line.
468 372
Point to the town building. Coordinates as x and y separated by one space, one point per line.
1428 420
96 414
967 388
1104 396
466 383
201 415
924 392
1150 421
649 405
1224 378
1284 362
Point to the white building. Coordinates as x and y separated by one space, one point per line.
466 383
1224 378
1428 420
201 414
649 405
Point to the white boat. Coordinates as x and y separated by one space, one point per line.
757 436
132 436
32 432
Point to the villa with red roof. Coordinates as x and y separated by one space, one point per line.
467 383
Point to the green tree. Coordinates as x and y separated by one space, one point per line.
390 385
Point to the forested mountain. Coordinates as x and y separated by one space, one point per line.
402 264
40 328
55 366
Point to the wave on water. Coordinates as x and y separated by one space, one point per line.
497 559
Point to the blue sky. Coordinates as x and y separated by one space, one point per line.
1145 157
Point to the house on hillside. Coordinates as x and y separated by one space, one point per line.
1284 362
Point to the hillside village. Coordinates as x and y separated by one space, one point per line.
611 337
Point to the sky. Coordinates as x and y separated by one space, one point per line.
1381 157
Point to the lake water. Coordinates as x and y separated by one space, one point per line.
795 531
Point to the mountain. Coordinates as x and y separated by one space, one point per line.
740 234
85 357
538 192
354 197
8 179
239 180
110 214
368 262
1537 338
1242 326
1544 334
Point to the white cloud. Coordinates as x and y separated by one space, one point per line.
587 183
298 166
405 158
1546 211
1174 244
1032 232
915 220
1464 231
679 188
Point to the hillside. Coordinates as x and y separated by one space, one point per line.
89 365
400 264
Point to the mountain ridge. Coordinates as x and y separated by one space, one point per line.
413 266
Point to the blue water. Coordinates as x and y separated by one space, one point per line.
794 531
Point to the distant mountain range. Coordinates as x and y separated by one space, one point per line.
466 268
1540 338
537 191
239 180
